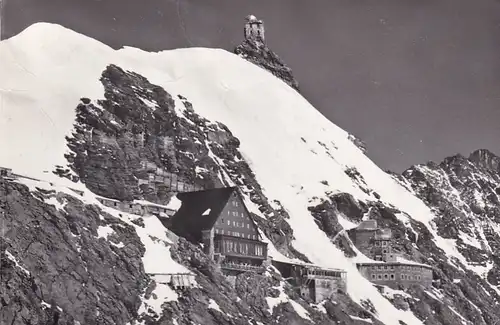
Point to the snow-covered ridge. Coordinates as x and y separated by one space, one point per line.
50 68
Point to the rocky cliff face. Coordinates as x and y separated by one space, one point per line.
73 274
464 194
260 55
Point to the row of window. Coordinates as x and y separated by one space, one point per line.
235 234
393 276
382 267
392 267
236 224
243 248
381 243
324 284
131 206
323 273
235 213
385 251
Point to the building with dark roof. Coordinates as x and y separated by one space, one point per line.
219 219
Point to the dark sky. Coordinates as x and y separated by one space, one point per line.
417 80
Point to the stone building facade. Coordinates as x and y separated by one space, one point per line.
312 282
397 275
373 241
138 208
157 176
389 267
254 29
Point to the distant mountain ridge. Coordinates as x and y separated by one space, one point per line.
465 193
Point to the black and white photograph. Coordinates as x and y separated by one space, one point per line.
215 162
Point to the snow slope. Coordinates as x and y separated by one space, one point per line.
50 68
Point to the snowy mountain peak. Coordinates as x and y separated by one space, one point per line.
100 118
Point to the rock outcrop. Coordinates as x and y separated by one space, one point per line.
56 269
256 51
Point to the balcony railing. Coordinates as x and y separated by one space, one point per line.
236 254
241 267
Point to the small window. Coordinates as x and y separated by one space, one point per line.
130 206
379 276
392 276
373 276
385 251
248 226
386 276
228 223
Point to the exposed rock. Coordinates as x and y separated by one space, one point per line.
358 142
462 192
256 51
486 159
88 279
326 217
